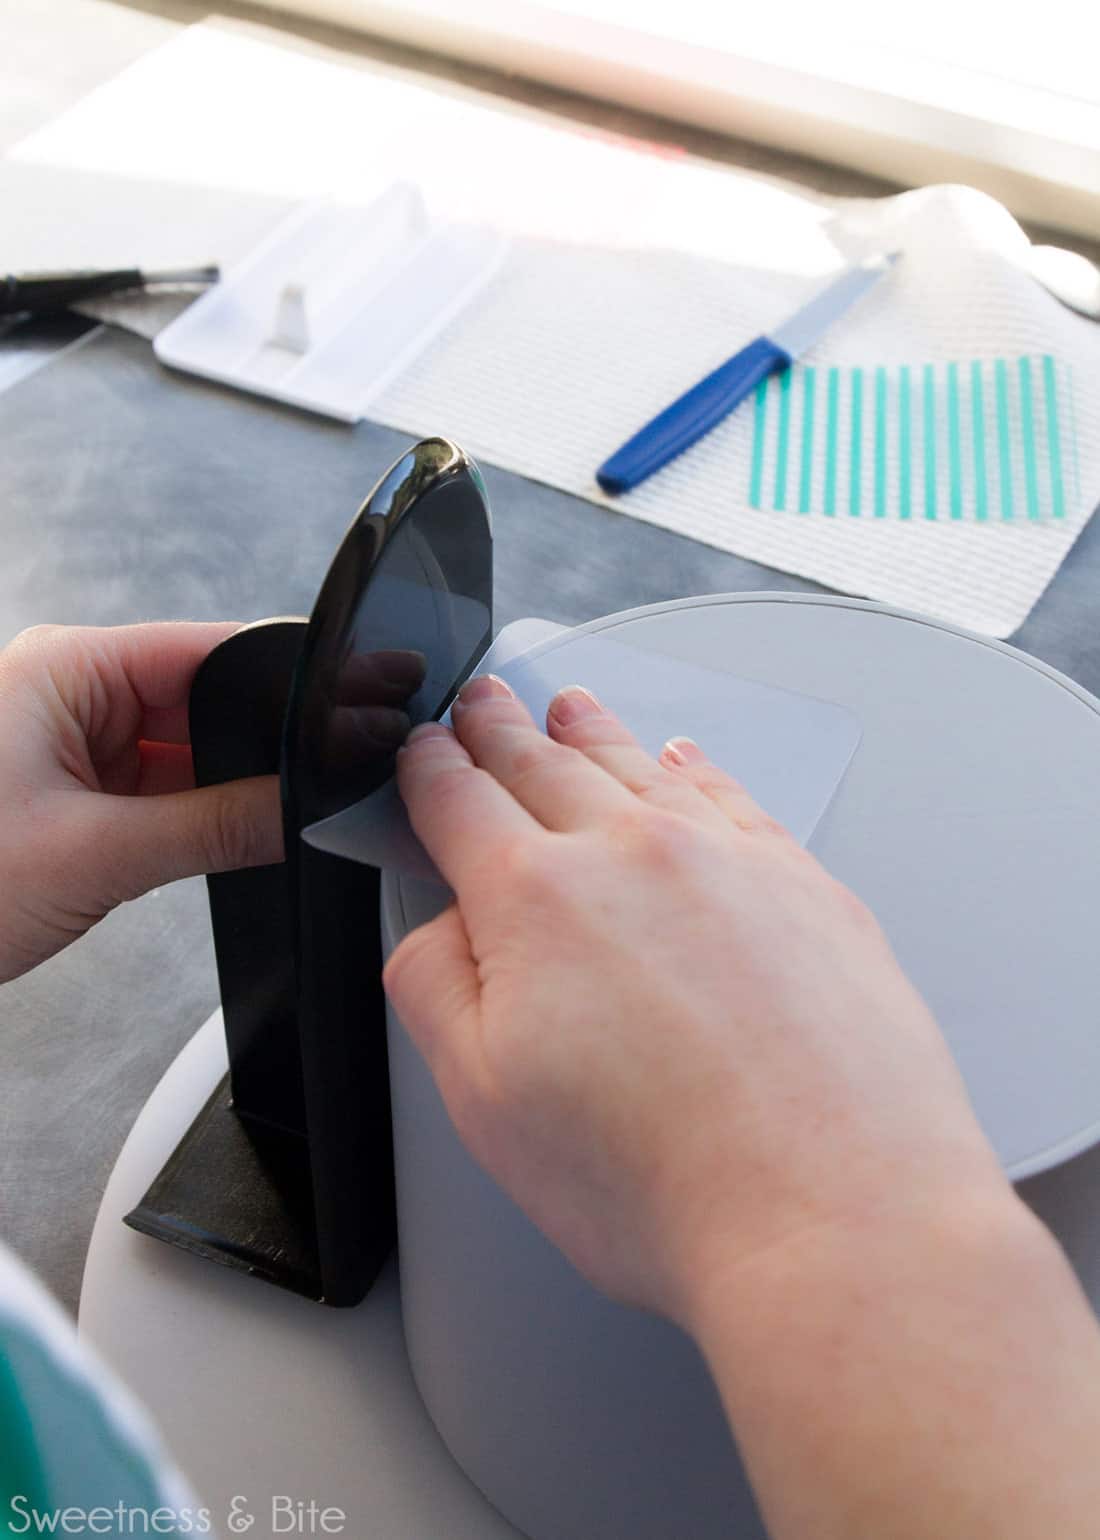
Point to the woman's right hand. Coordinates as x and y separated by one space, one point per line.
655 1019
691 1056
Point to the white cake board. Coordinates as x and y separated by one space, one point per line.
260 1393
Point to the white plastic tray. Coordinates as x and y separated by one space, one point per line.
334 303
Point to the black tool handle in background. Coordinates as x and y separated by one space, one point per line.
39 293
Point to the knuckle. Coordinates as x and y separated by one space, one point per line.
37 636
661 794
435 776
26 647
428 754
631 827
595 731
529 872
533 755
764 823
442 780
733 798
709 778
233 835
656 837
532 768
747 816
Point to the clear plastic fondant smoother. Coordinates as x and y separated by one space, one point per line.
789 750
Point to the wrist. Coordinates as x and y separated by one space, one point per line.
908 1373
842 1261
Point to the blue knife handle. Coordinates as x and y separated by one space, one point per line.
695 412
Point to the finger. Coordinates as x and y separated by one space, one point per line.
164 767
432 982
381 678
684 758
576 718
463 818
143 842
121 682
356 733
559 787
159 658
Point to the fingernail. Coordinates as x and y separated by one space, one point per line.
484 687
682 751
573 703
423 731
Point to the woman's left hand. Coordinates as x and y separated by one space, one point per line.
97 790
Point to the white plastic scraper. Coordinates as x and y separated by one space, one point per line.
334 303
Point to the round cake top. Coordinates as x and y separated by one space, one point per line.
968 820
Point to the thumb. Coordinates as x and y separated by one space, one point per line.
432 983
144 842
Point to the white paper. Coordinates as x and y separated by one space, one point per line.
632 275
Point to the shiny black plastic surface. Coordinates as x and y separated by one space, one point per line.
293 1179
402 617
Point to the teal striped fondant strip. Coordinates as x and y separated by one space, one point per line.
905 437
783 441
929 425
1004 437
1054 438
954 441
806 480
969 439
1027 425
880 443
856 445
977 434
831 429
759 424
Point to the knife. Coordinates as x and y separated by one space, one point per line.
702 407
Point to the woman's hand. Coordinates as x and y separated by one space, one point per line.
651 1013
99 798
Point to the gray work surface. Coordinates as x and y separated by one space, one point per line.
131 494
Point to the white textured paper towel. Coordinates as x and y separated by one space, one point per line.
633 274
575 349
